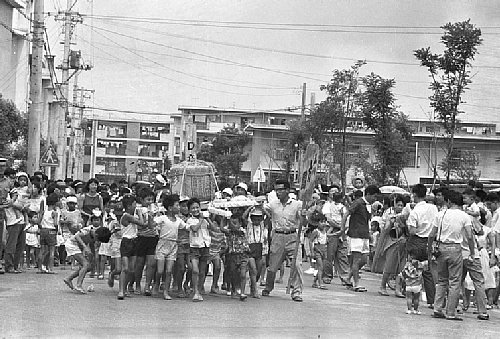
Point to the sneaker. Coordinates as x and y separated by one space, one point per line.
409 311
417 312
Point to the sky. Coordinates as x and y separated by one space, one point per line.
156 55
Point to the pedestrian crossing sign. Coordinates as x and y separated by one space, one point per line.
49 158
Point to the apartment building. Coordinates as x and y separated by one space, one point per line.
132 146
268 130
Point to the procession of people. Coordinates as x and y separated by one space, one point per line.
439 247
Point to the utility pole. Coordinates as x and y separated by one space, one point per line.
61 171
71 157
303 108
36 99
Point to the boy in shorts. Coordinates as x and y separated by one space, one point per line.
182 264
319 240
166 249
74 246
217 245
199 246
147 238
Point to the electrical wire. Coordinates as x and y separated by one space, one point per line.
282 26
208 56
185 83
189 74
272 50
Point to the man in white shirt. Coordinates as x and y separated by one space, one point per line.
419 225
334 210
452 228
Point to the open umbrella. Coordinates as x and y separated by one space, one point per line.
392 189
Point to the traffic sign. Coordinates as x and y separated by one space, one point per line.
259 175
49 158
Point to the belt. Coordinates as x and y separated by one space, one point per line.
284 232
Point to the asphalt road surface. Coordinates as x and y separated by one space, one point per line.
34 305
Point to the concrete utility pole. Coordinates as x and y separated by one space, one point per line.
36 95
303 108
71 157
63 108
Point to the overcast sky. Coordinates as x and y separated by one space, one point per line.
238 56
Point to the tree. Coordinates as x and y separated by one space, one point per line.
462 164
328 121
392 130
226 152
13 126
450 73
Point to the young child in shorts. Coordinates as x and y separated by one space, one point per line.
115 242
48 234
238 252
319 241
32 242
199 246
166 249
128 224
412 273
182 264
217 245
257 236
74 246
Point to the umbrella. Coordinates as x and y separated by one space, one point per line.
495 190
392 189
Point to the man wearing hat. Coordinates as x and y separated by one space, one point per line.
286 216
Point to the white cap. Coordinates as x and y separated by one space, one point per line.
160 179
72 199
243 185
227 190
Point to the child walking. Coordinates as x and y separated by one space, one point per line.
48 234
412 273
128 223
166 249
81 240
319 240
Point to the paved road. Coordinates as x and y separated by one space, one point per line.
33 305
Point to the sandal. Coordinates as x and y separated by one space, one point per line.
69 283
80 289
360 289
322 287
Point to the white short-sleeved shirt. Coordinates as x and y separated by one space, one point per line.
334 211
450 225
421 217
168 229
200 238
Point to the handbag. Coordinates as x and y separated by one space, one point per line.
436 252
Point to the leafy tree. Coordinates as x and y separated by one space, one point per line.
13 126
462 165
392 131
226 151
298 138
328 121
450 73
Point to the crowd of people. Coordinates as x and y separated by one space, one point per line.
156 243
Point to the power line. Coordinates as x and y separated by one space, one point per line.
280 26
185 83
189 74
209 56
272 50
275 50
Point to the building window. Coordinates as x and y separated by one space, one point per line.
86 168
87 150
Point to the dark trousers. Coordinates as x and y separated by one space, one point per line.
16 239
